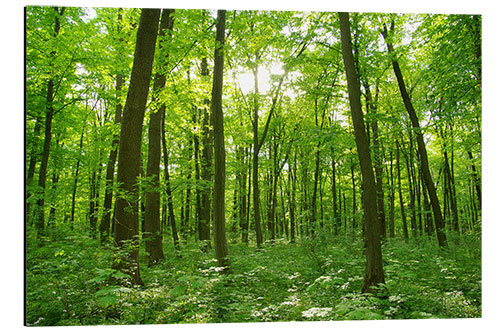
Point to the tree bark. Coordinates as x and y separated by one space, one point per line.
220 241
126 215
374 271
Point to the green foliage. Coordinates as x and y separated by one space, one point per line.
68 276
69 283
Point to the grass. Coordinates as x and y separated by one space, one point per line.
69 282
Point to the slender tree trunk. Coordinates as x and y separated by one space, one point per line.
110 169
242 213
475 179
424 163
55 181
206 170
152 225
197 174
42 176
291 178
354 208
315 189
75 183
220 241
392 199
105 225
400 192
255 161
170 204
249 194
411 189
34 155
126 214
377 158
336 226
374 271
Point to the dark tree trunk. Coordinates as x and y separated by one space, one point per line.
126 214
292 178
374 271
424 163
354 208
315 189
168 189
39 214
187 207
75 183
220 241
400 192
206 170
152 223
243 196
475 179
197 175
110 170
377 157
55 181
34 156
105 225
411 187
255 161
392 198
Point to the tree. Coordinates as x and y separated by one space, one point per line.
220 241
154 245
49 114
374 274
126 215
424 162
105 225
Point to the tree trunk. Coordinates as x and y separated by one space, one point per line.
105 225
377 157
170 205
206 170
152 223
110 169
42 176
220 242
400 192
75 183
255 161
374 271
336 226
55 181
291 178
243 196
475 179
392 198
34 155
424 163
126 214
354 208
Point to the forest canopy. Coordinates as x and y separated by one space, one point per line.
192 165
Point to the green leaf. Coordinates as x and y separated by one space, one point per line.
107 300
178 291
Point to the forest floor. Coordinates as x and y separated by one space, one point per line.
68 282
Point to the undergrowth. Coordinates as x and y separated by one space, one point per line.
69 282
